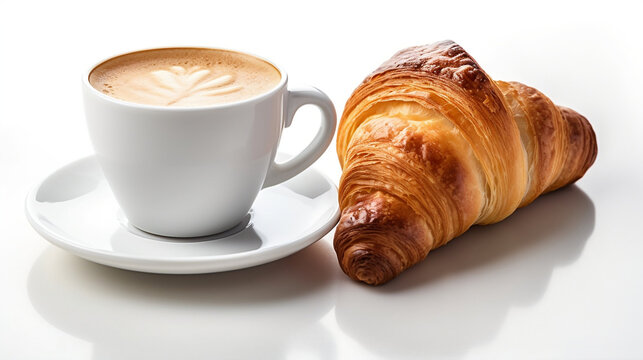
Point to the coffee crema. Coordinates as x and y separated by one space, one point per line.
184 77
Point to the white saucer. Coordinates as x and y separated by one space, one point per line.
74 209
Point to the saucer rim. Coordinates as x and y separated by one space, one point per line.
224 262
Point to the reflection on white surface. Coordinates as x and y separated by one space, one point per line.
459 296
254 313
449 304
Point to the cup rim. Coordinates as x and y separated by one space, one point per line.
278 87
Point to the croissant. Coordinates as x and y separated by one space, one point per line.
430 145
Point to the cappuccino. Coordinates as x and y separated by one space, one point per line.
184 77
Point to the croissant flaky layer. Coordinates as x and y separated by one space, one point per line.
430 145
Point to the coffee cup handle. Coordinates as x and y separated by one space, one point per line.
280 172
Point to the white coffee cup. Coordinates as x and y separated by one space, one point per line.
195 171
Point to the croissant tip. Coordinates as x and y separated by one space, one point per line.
369 267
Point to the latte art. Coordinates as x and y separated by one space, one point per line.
178 85
184 77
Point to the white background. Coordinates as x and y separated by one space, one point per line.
562 278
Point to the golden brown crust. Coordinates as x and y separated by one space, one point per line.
540 125
431 145
474 105
581 148
380 238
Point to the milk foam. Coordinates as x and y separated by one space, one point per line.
178 85
184 77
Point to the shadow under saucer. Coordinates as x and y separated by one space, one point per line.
459 296
260 312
